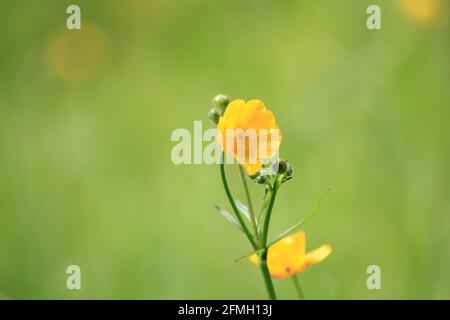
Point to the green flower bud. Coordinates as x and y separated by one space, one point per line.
214 115
279 166
221 101
289 171
261 179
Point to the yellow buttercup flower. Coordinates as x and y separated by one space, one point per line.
422 11
288 256
249 132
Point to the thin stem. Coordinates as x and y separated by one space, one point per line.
266 276
265 230
250 206
263 262
263 256
298 287
233 204
261 216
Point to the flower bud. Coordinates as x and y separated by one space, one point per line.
260 179
289 171
221 101
214 115
279 166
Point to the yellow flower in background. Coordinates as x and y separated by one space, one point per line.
422 11
252 127
75 56
288 256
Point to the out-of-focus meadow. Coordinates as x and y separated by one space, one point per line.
86 117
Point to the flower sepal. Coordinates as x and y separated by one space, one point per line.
221 101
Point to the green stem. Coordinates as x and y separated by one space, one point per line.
261 216
266 276
250 206
298 287
264 233
263 260
233 204
265 229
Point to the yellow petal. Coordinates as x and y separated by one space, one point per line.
252 168
422 11
238 119
230 121
287 255
256 116
318 254
254 258
232 114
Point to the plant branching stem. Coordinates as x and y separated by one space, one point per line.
233 204
253 241
250 206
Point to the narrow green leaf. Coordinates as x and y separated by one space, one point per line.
248 255
243 209
293 228
302 221
229 217
262 213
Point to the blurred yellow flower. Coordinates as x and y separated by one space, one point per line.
76 55
288 256
422 11
249 132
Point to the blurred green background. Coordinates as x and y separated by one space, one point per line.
86 117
